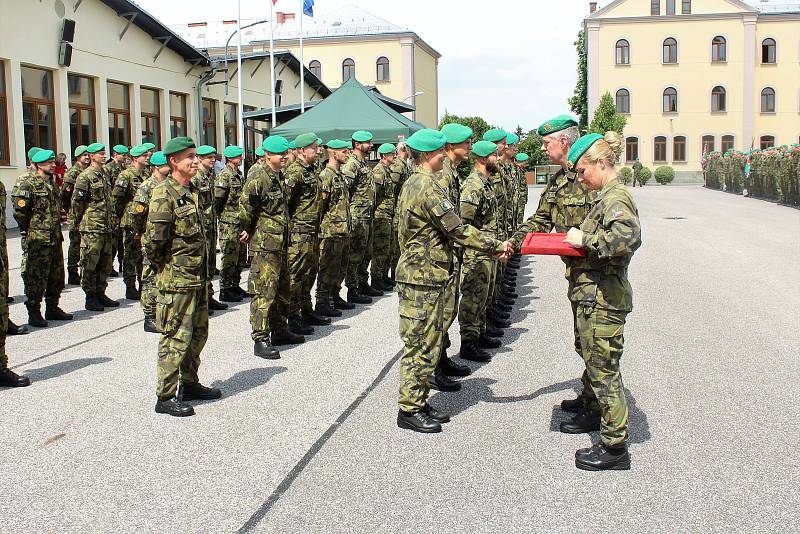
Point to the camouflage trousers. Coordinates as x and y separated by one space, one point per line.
360 252
74 250
117 248
332 264
381 249
149 293
602 339
211 236
43 272
421 324
131 258
269 285
477 280
394 249
3 308
450 302
303 259
96 262
182 319
234 256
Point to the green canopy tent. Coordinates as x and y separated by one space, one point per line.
349 108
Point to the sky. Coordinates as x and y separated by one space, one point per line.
511 62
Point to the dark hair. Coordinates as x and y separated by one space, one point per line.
416 155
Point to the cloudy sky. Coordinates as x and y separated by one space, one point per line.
509 61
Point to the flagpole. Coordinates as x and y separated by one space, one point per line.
302 64
272 60
240 111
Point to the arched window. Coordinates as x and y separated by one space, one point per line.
660 148
670 104
718 99
316 68
726 144
768 100
767 141
768 54
679 148
623 101
383 69
719 49
348 69
670 49
708 144
631 148
623 52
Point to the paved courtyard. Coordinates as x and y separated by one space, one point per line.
308 443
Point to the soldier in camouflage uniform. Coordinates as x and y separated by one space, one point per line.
112 168
37 210
304 202
91 204
125 187
204 181
177 246
227 191
400 173
521 161
384 214
264 218
74 249
609 235
334 232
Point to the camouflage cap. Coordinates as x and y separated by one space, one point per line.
178 144
336 144
494 135
362 136
119 149
484 148
522 157
275 144
304 140
233 151
581 146
456 133
138 150
426 140
158 159
206 150
43 155
32 151
556 124
386 148
79 150
94 148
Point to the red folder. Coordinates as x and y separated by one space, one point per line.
549 244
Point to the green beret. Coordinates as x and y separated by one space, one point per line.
138 150
456 133
484 148
336 144
350 144
79 150
260 152
522 157
233 151
494 135
32 151
177 144
362 136
319 140
581 146
158 159
120 149
206 150
562 122
512 139
304 140
291 144
275 144
43 155
94 148
149 146
386 148
426 140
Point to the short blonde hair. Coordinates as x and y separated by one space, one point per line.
608 148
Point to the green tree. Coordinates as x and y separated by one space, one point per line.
478 124
606 117
531 144
578 101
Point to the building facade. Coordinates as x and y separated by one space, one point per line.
697 76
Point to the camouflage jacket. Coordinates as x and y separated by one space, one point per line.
141 206
399 176
501 194
227 192
37 210
175 239
478 203
3 243
204 183
303 194
451 178
125 187
112 170
522 190
362 192
428 226
70 177
263 211
91 202
384 191
611 234
335 204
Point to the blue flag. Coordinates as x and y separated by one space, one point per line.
308 7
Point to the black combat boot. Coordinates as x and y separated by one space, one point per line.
497 321
508 293
451 368
113 273
214 304
74 277
502 307
53 313
285 336
297 326
438 380
242 292
584 421
10 379
486 342
436 415
600 457
107 302
493 331
325 308
418 422
197 391
131 293
354 296
174 407
315 319
505 300
35 315
150 324
230 295
15 330
369 291
572 405
340 304
472 352
264 349
388 283
92 304
501 314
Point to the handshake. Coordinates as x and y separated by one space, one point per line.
508 251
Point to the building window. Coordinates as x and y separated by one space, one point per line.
670 7
726 143
767 141
655 7
316 68
670 49
708 144
718 49
679 148
768 54
623 52
151 116
686 7
348 69
623 101
80 91
209 127
38 108
383 69
660 148
718 99
768 100
177 115
4 151
670 104
119 114
631 148
231 126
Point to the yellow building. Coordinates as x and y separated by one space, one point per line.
345 43
696 76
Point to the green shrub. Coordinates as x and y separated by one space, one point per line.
665 175
625 175
646 174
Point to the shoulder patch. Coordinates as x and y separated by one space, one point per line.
21 203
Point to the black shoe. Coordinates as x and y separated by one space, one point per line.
370 291
388 284
35 316
107 302
508 294
505 301
472 352
493 331
572 405
501 314
230 295
503 307
10 379
214 304
197 391
327 310
418 422
496 321
242 293
451 368
264 349
113 273
74 278
436 415
286 337
92 304
314 319
174 408
9 300
54 313
355 297
439 381
486 342
297 326
131 293
340 304
150 325
510 279
584 421
15 330
598 457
